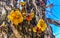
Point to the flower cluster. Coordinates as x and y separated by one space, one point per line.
41 26
15 17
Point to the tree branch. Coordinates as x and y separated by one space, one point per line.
51 21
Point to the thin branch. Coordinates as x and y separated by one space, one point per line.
51 21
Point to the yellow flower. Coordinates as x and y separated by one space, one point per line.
15 17
22 3
42 25
32 14
35 29
3 24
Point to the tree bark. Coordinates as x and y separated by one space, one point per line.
16 33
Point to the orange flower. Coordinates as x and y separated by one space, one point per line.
28 18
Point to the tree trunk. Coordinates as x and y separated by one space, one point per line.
16 33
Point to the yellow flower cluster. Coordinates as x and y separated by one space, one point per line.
41 26
15 17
